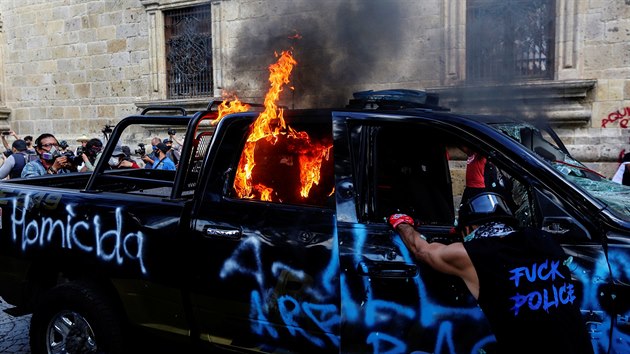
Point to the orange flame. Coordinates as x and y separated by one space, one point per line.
270 125
230 106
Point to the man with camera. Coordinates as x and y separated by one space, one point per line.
50 160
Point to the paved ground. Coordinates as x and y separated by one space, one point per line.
13 332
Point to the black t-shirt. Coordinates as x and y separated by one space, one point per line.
525 291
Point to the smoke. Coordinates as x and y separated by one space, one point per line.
337 48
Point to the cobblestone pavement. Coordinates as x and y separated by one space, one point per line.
13 332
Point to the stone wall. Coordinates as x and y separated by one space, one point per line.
72 66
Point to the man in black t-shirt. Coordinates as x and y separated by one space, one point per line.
519 277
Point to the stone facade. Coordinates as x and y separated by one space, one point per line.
72 66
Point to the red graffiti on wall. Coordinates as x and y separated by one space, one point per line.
623 116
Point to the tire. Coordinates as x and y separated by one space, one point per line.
75 318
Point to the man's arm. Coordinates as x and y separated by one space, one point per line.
7 166
449 259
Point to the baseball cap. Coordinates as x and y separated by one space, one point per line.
118 151
167 141
19 145
162 147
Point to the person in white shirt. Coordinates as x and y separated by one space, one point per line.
618 176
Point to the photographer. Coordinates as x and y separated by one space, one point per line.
91 154
50 161
120 159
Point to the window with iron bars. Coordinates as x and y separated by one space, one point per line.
188 39
508 40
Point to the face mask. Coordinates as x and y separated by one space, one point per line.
113 161
50 155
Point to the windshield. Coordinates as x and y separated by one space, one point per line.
615 195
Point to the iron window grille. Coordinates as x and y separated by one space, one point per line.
188 39
510 40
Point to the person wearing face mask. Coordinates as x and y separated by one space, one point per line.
120 160
50 161
149 159
163 162
91 154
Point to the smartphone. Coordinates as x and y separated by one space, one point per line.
6 133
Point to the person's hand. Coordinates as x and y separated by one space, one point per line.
397 219
61 162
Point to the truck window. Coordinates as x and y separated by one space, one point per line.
295 167
412 175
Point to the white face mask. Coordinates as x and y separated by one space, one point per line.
113 161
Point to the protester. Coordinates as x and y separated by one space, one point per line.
508 269
49 161
14 164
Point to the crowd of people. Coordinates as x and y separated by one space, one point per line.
28 157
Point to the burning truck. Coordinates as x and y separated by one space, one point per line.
271 235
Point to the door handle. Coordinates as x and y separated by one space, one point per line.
387 269
220 232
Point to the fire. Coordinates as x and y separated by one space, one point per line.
230 106
271 126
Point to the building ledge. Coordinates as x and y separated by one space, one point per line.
560 102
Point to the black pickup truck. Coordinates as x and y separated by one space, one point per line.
272 237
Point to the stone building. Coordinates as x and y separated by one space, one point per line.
73 66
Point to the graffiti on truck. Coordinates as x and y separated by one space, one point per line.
108 245
366 311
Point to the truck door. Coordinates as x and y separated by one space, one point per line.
390 303
265 276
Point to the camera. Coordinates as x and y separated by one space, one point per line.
6 132
141 150
79 151
72 158
171 131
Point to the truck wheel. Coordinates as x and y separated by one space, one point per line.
75 318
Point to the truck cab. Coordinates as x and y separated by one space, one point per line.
263 242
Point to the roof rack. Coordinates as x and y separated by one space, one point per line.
395 99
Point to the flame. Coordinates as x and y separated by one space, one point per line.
270 125
230 106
